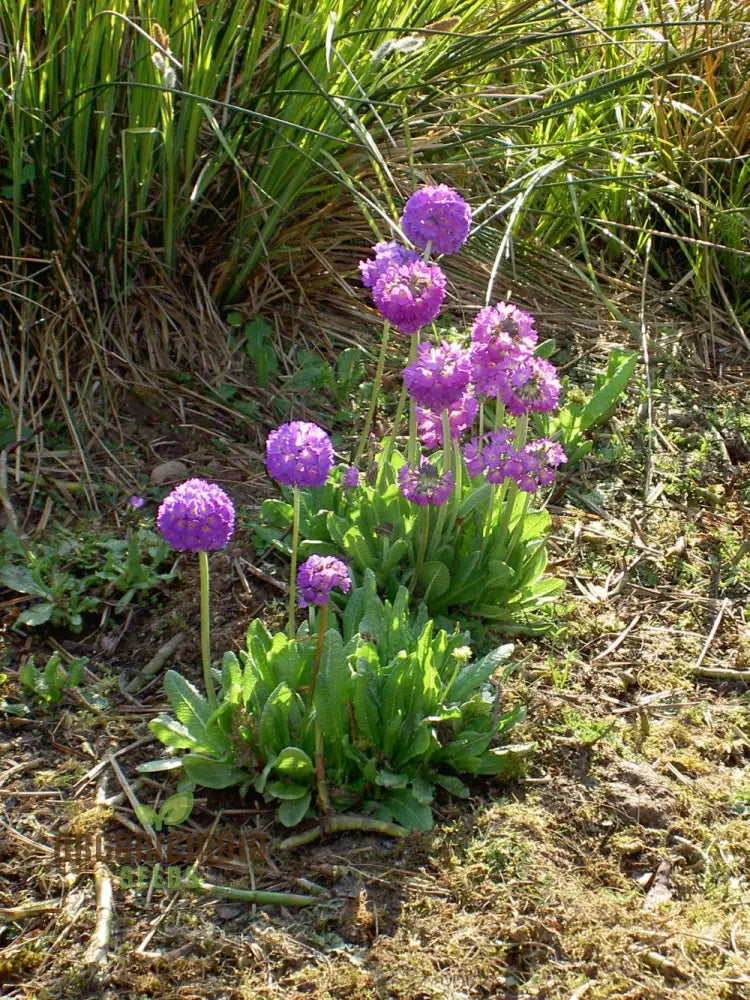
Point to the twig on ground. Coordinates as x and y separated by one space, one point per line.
714 629
96 953
154 665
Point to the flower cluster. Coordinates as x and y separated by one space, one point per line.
350 478
409 295
502 338
461 415
317 577
299 454
530 467
196 517
439 376
438 217
387 253
423 485
531 384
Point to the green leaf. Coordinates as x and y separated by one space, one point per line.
147 815
176 808
293 763
231 676
212 773
273 727
292 811
285 790
475 674
452 784
172 733
357 549
21 579
604 399
434 579
333 689
37 614
504 760
472 500
388 780
190 707
407 811
165 764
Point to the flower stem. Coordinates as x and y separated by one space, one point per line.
293 569
422 549
385 457
446 468
324 800
375 392
206 630
322 622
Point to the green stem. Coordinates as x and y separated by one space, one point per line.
251 895
446 468
385 458
293 569
324 800
413 445
375 392
342 824
322 623
206 630
422 548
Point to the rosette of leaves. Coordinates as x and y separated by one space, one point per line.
479 564
402 708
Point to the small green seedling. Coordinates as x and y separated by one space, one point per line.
174 810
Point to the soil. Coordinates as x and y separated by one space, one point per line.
616 867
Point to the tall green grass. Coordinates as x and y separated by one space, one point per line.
142 131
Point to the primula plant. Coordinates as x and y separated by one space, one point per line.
376 713
447 509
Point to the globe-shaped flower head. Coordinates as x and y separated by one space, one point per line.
438 215
410 295
423 485
317 577
299 454
196 517
439 376
461 416
386 253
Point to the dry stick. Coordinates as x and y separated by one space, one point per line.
132 798
96 953
714 629
342 824
155 664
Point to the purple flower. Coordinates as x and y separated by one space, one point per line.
461 416
438 215
424 485
386 253
531 385
136 502
439 376
410 295
539 459
197 517
317 577
351 477
299 454
502 336
492 454
507 322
